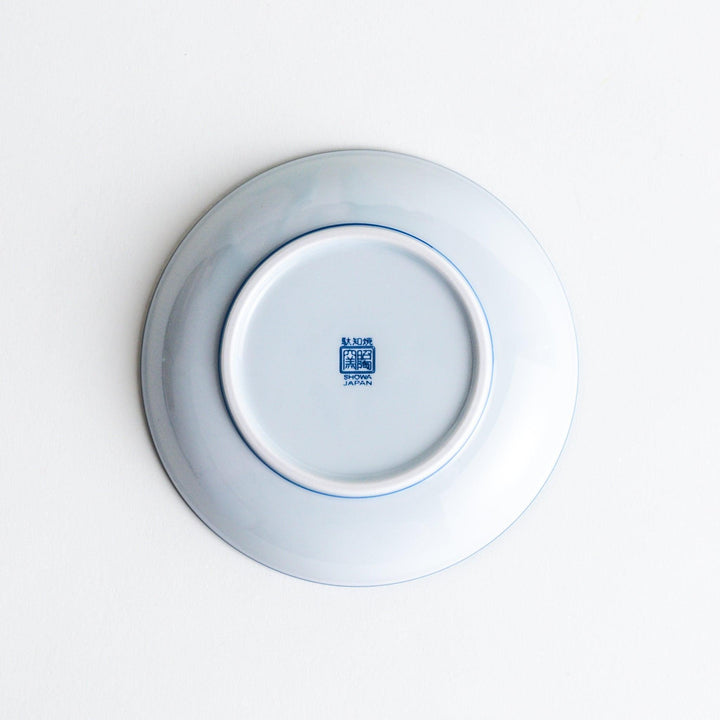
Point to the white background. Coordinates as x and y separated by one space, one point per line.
123 121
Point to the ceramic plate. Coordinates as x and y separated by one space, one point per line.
359 368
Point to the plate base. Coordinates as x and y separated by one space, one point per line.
356 360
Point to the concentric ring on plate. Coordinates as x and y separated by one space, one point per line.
275 371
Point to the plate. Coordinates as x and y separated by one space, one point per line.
359 368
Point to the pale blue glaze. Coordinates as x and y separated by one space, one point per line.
447 516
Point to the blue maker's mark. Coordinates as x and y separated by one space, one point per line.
357 360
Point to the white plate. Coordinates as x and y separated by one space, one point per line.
359 368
